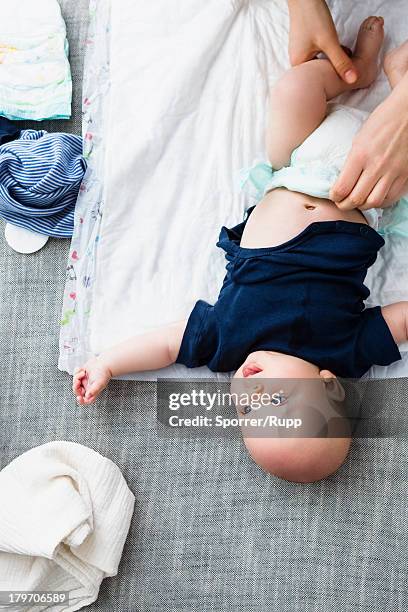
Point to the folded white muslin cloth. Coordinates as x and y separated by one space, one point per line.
65 513
35 75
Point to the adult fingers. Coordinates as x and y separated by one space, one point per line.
347 179
377 196
360 192
300 56
341 62
397 190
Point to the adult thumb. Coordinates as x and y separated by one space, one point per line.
342 63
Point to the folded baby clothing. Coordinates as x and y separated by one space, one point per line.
316 163
40 176
8 131
35 75
65 513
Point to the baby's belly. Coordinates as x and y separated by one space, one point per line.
283 214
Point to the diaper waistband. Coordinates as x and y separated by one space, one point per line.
314 179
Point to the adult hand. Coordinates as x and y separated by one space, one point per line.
312 31
376 170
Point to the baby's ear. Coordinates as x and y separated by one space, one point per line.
335 390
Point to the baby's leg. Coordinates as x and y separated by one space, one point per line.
396 64
396 67
298 102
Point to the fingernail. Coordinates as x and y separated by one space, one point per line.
350 76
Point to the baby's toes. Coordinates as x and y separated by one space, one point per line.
372 24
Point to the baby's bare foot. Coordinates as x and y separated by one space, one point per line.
396 64
369 41
90 380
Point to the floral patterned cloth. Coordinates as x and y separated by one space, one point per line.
81 266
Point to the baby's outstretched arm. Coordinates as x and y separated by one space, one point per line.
298 101
396 317
150 351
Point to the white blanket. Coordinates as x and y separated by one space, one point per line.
186 109
64 516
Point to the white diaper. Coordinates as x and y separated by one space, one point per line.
316 163
35 75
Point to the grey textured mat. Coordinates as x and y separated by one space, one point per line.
211 532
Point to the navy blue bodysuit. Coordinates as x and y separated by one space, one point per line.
303 298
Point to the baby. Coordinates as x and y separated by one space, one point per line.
292 302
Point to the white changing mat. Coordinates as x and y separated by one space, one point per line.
181 107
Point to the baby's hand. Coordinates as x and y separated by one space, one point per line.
90 380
